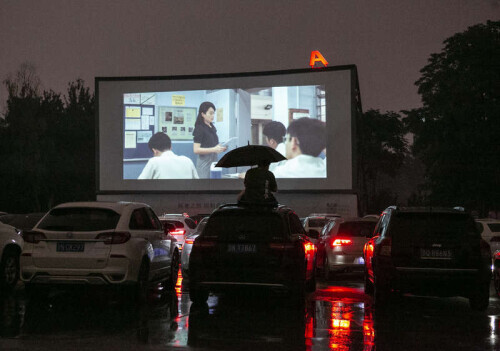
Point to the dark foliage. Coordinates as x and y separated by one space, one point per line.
46 145
381 150
456 131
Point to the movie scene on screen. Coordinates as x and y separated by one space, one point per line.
183 134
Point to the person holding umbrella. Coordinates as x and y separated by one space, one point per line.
259 185
205 140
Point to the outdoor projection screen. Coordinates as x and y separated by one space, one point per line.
132 109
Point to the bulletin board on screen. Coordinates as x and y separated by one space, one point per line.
177 122
139 121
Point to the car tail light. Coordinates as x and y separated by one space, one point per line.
385 247
112 238
309 248
189 241
33 237
178 232
341 242
495 239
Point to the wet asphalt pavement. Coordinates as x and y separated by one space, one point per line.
338 316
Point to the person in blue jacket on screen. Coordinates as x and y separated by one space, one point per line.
205 140
304 142
165 164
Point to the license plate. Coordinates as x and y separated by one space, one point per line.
436 254
359 260
242 248
70 247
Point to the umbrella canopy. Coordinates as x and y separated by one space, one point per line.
249 155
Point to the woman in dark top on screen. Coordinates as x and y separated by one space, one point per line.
205 139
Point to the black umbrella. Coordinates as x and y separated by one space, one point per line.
249 155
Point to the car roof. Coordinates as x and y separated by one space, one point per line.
323 215
172 216
488 220
117 206
280 209
357 219
457 210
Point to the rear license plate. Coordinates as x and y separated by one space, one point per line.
242 248
70 247
359 260
436 254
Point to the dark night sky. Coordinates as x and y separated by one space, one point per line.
388 40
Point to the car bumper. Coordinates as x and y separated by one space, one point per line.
341 262
117 271
432 281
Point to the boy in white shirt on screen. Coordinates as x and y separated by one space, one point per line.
165 164
305 140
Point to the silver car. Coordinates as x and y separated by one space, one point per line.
343 244
183 225
188 245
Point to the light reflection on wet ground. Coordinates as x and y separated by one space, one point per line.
338 316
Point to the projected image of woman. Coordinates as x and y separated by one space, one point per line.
205 139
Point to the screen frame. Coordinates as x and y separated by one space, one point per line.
350 105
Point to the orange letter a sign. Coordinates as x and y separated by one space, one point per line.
317 57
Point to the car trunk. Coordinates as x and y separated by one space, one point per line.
71 238
357 232
250 247
71 250
434 240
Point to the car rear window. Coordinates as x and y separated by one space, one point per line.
494 227
201 226
317 222
190 223
356 228
239 226
177 224
80 219
447 224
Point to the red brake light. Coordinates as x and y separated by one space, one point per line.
189 241
178 232
341 242
309 248
111 238
33 237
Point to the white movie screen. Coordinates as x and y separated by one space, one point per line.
168 133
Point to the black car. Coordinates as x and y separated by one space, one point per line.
428 251
244 246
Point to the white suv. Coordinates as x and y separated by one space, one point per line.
11 245
99 243
490 231
184 226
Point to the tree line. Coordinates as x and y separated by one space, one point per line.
445 153
47 144
454 156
